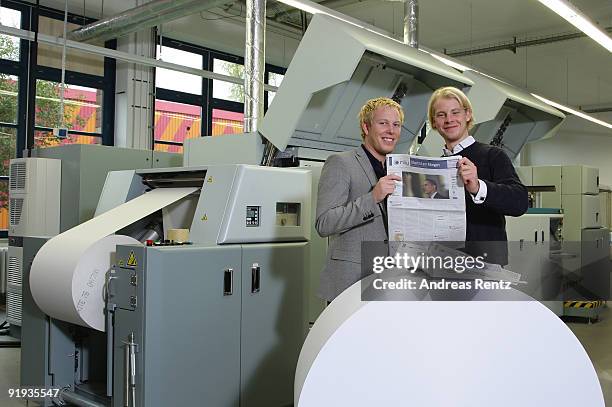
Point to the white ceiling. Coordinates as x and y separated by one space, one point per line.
458 23
464 22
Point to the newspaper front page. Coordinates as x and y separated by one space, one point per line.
429 202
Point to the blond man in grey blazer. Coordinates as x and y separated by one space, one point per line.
352 192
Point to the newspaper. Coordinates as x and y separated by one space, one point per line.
428 206
429 202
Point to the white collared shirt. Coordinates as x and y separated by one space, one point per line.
481 195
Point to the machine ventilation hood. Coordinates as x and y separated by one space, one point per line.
504 115
336 68
508 116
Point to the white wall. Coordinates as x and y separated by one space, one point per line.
587 148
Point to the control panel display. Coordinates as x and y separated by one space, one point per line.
252 216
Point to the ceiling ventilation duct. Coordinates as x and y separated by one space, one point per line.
138 18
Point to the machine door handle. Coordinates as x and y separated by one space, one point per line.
228 282
126 375
542 235
255 278
129 397
107 291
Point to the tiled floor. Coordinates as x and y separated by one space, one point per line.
596 338
9 376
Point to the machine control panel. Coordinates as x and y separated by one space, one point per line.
252 216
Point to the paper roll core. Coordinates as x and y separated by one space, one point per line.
178 235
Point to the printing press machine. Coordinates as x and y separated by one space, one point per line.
219 320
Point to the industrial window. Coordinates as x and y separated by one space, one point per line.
226 122
82 107
225 90
4 209
274 79
9 87
76 61
82 114
179 96
45 138
178 81
9 45
9 91
8 138
91 84
175 123
227 102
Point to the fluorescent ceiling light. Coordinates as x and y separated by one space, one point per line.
580 21
448 61
306 6
573 111
315 8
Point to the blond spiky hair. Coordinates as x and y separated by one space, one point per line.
449 92
367 111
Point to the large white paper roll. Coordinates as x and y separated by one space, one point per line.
443 353
69 272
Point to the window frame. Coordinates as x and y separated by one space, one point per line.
206 101
105 83
44 73
28 71
19 69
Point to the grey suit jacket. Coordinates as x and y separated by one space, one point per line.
347 213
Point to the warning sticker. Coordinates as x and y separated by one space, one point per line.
132 260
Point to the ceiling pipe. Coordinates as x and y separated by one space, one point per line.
254 64
411 23
514 44
138 18
597 108
411 38
121 56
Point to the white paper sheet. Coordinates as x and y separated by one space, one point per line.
69 272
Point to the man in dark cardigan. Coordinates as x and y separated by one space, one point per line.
492 187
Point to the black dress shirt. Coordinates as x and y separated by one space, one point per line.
377 166
380 171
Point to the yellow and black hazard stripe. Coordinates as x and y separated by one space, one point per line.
583 304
